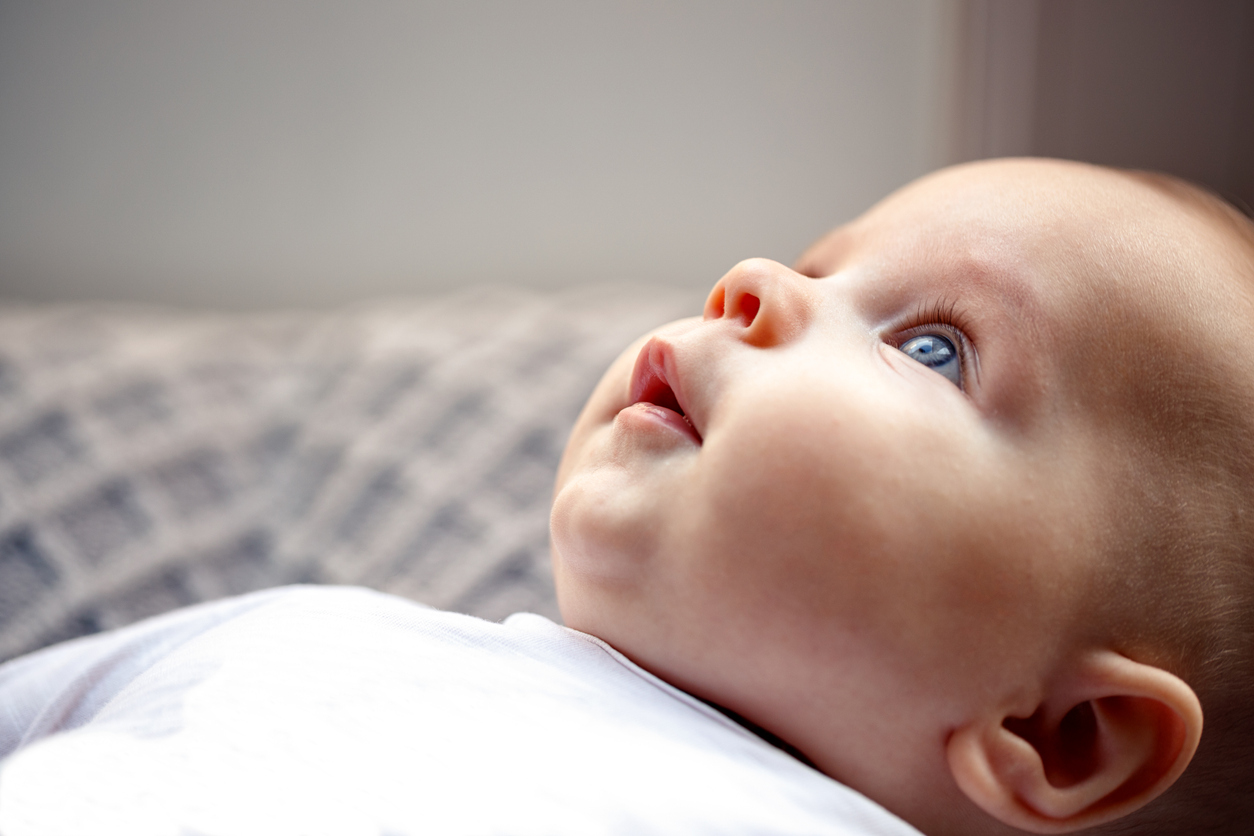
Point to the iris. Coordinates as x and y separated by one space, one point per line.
937 353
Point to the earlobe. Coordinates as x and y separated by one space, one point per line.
1111 736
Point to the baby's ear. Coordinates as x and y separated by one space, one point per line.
1109 738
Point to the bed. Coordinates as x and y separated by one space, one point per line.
152 458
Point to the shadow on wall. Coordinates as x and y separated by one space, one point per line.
1166 85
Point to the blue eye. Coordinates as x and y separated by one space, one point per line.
937 353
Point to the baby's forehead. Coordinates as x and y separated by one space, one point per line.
1041 202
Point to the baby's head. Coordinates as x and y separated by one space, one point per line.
960 507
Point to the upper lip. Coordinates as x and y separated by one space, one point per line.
654 380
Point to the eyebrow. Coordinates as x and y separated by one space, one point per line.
1011 290
994 278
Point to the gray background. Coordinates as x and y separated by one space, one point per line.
285 152
288 153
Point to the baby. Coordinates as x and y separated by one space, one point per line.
958 507
954 514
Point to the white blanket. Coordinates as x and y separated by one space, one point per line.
312 710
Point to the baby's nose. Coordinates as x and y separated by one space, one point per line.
772 303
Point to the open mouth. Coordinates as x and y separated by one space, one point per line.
651 386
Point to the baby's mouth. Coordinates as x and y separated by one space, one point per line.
649 385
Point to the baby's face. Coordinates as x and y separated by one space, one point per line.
851 502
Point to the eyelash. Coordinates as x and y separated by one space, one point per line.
945 315
941 312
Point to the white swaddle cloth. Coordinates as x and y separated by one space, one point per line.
312 710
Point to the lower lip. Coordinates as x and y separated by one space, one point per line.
655 415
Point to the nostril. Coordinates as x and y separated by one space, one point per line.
749 305
714 305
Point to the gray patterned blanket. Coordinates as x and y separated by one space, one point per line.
152 458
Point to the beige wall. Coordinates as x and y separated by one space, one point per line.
286 152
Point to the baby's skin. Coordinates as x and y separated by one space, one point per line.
889 505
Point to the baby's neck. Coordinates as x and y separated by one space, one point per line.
773 739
